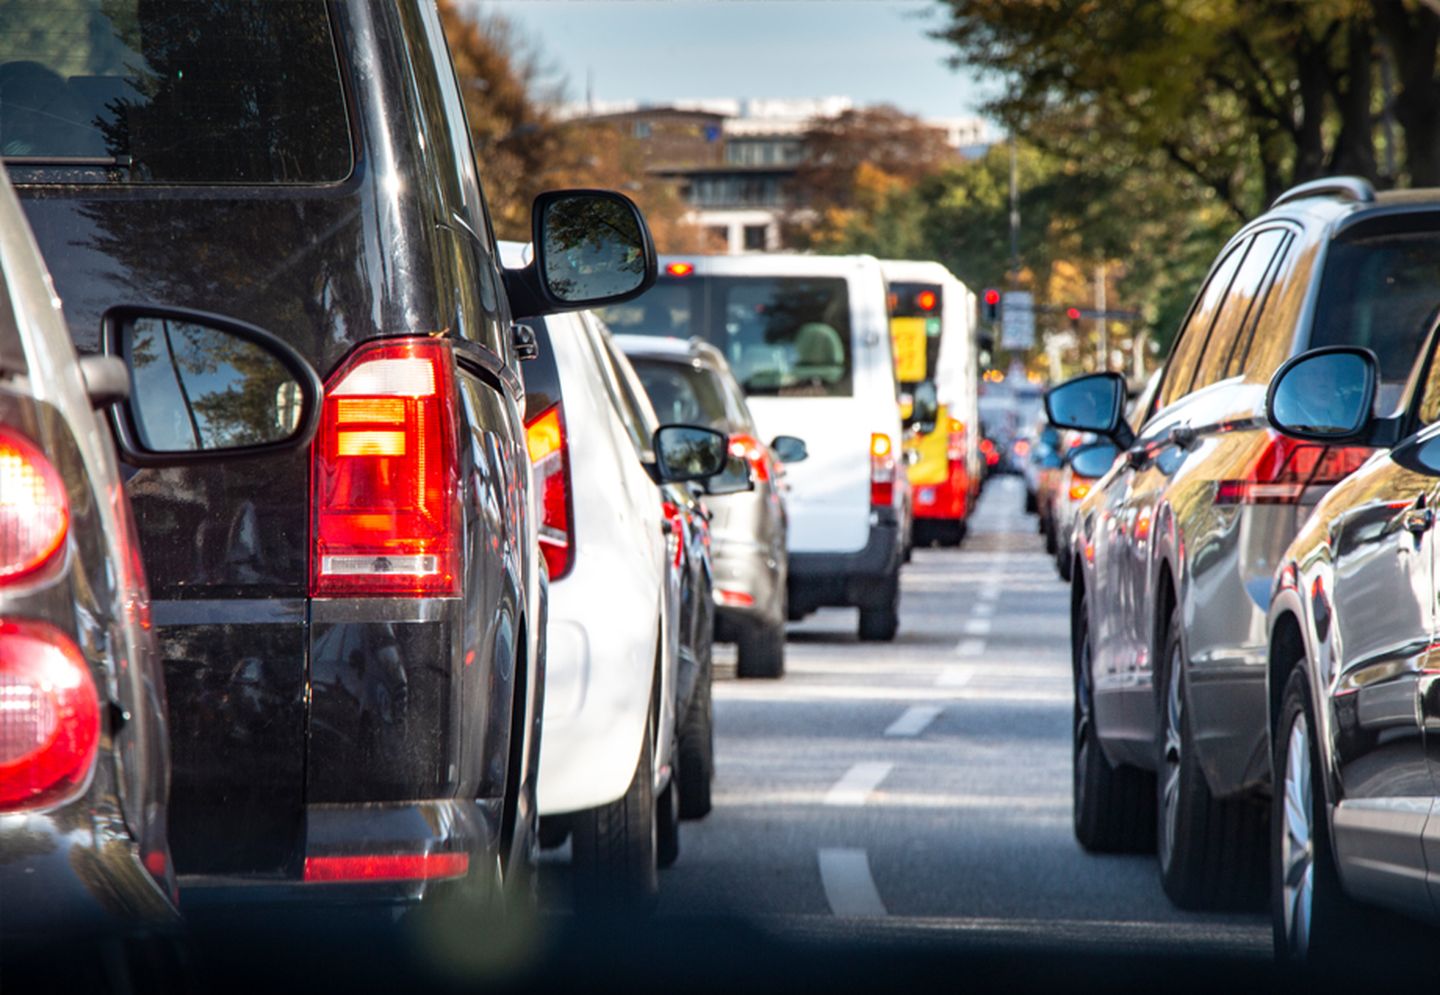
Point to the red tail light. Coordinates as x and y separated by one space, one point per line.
387 867
955 441
1285 467
49 715
385 487
748 448
882 471
34 512
550 456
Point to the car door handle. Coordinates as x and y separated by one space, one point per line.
1183 436
1417 521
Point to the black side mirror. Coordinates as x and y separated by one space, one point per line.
1092 403
1093 459
207 387
736 478
688 452
592 248
1325 395
925 408
788 449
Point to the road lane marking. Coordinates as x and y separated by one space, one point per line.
978 627
913 721
970 647
855 787
984 609
954 677
849 888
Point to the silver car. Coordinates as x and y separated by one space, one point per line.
689 382
1174 549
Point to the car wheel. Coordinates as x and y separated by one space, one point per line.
696 752
1062 563
1114 809
1030 503
1212 852
614 847
878 624
667 822
760 650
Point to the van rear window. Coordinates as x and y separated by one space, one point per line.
171 91
783 336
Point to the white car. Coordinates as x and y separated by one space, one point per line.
808 338
607 776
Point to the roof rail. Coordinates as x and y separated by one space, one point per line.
1355 188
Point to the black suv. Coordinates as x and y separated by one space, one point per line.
349 632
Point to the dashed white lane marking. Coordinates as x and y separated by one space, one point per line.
855 787
984 609
953 677
978 627
913 721
970 647
849 888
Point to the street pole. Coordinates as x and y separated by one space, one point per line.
1104 329
1014 217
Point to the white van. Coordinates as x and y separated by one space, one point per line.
808 338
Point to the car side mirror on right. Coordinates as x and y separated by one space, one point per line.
1325 395
1092 403
788 449
735 478
1092 460
688 452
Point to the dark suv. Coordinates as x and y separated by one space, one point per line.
1175 549
350 631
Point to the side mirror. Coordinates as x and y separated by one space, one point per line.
1093 459
788 449
206 387
591 248
925 409
688 452
734 479
1092 403
1324 395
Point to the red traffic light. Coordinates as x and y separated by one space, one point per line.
992 297
1073 313
925 300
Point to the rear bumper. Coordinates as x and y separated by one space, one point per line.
847 579
946 500
746 570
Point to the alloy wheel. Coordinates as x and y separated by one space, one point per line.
1171 758
1297 858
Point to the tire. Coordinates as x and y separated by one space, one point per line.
667 824
1030 502
1213 853
1062 563
878 624
615 848
760 651
1114 810
1051 546
696 751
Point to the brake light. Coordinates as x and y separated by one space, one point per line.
955 441
882 471
680 269
34 511
49 715
385 484
1078 491
734 599
676 519
550 458
749 449
1285 467
387 867
926 300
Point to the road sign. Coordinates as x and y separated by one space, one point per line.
1017 320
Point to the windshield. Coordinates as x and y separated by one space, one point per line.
171 91
783 336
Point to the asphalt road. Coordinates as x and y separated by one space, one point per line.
919 791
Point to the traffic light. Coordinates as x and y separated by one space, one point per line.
992 304
1073 313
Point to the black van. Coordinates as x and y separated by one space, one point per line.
350 631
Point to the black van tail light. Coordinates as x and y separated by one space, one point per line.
49 715
882 471
384 478
1286 467
34 511
550 457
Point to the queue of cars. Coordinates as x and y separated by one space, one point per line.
1253 579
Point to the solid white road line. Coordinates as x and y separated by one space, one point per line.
977 627
855 787
913 721
849 888
970 647
953 677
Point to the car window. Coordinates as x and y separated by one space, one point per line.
1243 358
632 413
171 91
1180 368
681 393
1381 293
1217 359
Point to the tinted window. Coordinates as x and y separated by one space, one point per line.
171 91
1215 361
782 336
1381 293
682 393
1185 357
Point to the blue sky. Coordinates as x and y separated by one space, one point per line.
875 51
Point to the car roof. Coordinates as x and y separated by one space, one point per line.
659 347
916 269
776 264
